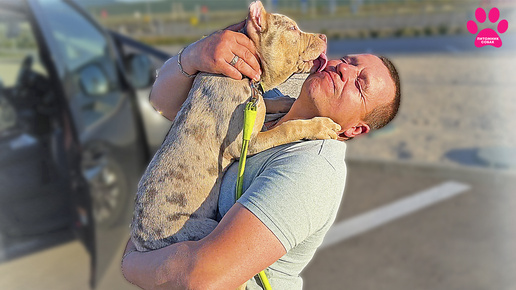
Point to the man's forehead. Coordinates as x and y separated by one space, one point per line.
366 59
382 85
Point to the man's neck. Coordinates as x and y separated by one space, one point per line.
297 111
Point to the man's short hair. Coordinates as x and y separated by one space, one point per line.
383 114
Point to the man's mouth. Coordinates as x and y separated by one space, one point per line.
332 81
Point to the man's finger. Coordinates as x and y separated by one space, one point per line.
129 247
246 70
231 72
245 41
251 67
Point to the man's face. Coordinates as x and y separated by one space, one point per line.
347 89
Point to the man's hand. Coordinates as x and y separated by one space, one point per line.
165 268
239 247
214 53
127 267
211 54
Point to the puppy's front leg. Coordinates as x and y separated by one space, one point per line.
294 130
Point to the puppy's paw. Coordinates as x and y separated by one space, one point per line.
322 128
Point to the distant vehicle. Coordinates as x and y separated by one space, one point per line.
76 128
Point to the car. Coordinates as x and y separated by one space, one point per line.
76 128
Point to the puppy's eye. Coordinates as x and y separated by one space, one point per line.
293 28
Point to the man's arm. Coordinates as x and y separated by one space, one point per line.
211 54
239 247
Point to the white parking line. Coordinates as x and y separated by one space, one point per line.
392 211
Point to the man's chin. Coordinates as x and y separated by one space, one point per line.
317 84
312 85
315 77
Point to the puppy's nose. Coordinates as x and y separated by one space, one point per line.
323 37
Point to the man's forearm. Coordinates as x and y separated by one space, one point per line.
171 87
165 268
239 247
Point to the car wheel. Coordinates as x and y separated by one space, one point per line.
108 187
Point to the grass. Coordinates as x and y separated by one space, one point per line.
188 26
332 35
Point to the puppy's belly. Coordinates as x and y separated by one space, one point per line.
179 190
175 189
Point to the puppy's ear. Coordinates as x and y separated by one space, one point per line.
256 21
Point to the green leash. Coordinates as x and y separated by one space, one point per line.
249 118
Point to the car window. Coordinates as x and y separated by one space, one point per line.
79 41
20 66
7 115
91 69
17 42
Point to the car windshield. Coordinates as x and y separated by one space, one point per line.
78 40
21 69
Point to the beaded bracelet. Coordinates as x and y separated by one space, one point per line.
181 67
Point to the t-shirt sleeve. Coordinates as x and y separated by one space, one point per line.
296 196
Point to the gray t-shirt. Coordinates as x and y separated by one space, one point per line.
295 190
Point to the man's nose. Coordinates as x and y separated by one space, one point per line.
346 70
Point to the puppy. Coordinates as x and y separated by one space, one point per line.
177 195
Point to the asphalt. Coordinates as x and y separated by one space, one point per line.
464 241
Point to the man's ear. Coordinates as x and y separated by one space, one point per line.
256 20
352 132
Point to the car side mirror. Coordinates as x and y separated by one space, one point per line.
94 81
139 70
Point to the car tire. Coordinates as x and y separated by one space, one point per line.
108 188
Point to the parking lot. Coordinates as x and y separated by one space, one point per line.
400 226
421 209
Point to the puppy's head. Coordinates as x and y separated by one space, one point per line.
283 48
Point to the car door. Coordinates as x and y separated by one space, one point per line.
104 116
44 199
154 124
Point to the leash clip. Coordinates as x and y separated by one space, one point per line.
256 90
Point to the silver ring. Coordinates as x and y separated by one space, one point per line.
234 60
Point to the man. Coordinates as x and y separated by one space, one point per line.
291 192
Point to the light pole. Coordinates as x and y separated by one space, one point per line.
149 17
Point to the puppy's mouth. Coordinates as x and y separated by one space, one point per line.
320 62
